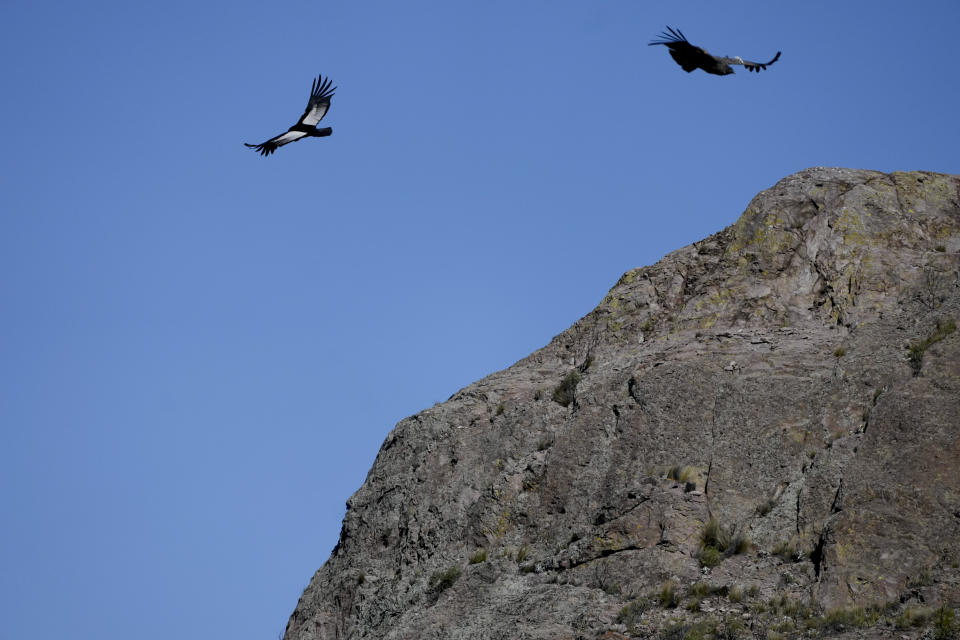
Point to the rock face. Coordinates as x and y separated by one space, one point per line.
765 423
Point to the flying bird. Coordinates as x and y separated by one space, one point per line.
317 105
690 57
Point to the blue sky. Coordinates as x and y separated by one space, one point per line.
201 349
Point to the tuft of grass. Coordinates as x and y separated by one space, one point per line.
839 351
941 248
739 543
732 629
847 617
784 605
944 624
500 409
736 594
788 550
922 579
913 617
704 589
766 507
679 631
668 596
682 474
945 326
479 556
522 553
631 613
713 535
538 394
716 542
566 391
710 557
442 580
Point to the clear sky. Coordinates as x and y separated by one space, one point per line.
201 349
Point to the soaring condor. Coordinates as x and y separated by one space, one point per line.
306 127
690 57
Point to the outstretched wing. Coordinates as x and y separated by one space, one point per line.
319 103
686 55
671 37
750 66
271 145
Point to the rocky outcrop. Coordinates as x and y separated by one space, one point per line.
759 434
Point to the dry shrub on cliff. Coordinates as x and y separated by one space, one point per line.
945 326
565 393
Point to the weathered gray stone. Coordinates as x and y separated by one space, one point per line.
761 377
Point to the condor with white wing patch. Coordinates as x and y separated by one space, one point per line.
306 127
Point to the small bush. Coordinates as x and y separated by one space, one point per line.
839 351
566 391
479 556
500 409
941 248
443 580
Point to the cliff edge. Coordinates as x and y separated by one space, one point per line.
758 436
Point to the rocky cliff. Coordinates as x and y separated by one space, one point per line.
757 436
